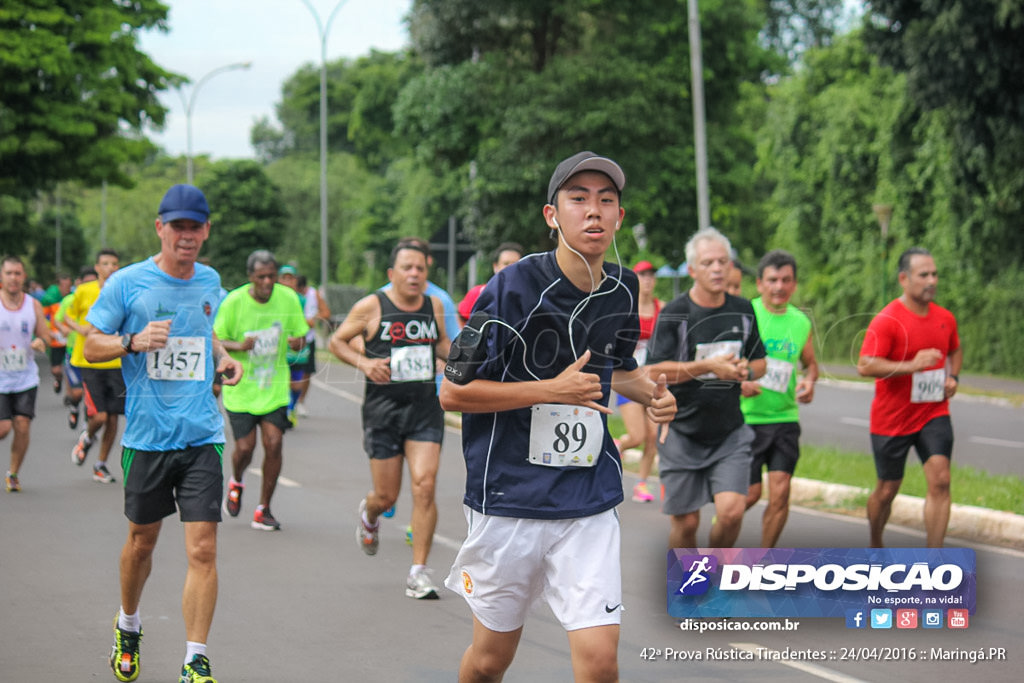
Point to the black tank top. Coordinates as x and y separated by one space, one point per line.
409 340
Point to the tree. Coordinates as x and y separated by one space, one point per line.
42 245
75 92
246 213
360 94
963 59
546 78
843 134
794 26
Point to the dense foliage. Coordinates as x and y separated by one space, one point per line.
920 108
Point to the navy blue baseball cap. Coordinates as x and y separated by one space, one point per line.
184 201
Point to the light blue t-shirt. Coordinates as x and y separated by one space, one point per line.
170 403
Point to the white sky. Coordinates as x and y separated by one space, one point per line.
277 36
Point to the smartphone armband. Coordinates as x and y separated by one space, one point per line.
467 351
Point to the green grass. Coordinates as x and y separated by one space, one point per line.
970 486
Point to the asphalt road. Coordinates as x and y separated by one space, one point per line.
988 434
306 604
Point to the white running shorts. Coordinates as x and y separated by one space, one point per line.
508 563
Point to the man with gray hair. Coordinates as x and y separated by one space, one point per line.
258 323
706 342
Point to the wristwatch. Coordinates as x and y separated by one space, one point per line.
126 342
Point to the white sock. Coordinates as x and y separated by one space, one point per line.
129 622
193 649
416 569
236 483
366 522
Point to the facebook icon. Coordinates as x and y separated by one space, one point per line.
855 618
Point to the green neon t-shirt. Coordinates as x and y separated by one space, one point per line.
784 336
264 384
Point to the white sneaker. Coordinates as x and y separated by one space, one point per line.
420 587
300 410
101 474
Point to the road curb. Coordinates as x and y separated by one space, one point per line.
967 522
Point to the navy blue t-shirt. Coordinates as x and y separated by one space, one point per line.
556 322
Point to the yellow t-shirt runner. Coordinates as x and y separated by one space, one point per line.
84 297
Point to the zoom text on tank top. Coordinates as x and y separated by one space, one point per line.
408 339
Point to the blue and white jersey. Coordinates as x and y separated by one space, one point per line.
170 404
554 324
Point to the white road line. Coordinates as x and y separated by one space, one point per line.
813 669
438 538
355 398
996 442
337 392
855 421
283 481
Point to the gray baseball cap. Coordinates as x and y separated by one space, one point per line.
584 161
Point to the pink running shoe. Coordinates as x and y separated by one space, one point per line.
641 494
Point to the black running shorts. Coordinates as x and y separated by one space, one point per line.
935 438
158 482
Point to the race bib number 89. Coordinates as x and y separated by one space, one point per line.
565 436
183 359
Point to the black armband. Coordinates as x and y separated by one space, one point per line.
467 352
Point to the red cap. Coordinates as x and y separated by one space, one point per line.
642 266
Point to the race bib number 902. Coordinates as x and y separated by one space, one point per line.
183 359
928 386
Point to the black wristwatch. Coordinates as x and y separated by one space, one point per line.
126 342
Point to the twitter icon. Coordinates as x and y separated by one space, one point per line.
881 618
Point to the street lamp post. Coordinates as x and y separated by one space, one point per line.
189 105
700 144
323 30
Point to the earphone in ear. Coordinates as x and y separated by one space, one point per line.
555 221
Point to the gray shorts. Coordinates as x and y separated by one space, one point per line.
728 469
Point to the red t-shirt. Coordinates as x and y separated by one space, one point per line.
466 305
898 334
647 324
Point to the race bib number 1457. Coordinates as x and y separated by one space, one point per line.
183 359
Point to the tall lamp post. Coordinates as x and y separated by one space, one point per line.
883 212
323 30
700 143
190 104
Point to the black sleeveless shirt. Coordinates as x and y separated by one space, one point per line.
409 340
